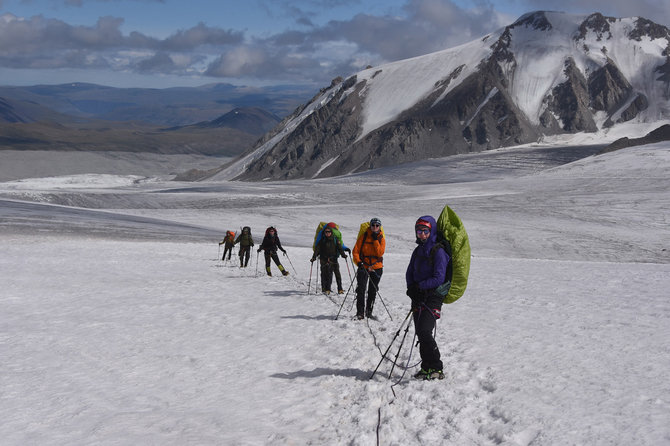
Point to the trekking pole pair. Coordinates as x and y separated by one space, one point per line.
374 285
310 276
344 300
397 333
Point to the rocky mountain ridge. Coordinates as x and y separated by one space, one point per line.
546 74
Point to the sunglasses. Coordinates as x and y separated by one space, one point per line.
327 232
422 231
375 225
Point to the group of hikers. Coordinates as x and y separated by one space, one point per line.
425 277
271 244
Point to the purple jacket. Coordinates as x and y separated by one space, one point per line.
421 269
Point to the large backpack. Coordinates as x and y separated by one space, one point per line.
452 237
336 233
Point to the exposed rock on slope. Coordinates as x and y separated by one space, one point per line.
546 74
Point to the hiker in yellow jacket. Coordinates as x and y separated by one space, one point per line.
368 256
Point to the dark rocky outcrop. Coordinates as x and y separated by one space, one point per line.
658 135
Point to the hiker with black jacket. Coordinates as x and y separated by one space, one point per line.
328 249
270 245
246 242
228 242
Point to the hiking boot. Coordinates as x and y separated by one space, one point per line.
285 273
429 375
267 270
327 292
340 291
360 316
368 313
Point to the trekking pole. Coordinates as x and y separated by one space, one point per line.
344 300
397 333
310 276
378 294
402 341
348 271
218 253
256 273
291 263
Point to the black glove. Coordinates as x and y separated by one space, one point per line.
414 292
360 264
312 259
259 250
283 250
347 250
344 256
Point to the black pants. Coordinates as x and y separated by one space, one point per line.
370 280
327 269
272 255
424 325
244 255
227 249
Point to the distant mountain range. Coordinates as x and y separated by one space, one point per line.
548 73
217 119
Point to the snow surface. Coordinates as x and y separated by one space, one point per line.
121 325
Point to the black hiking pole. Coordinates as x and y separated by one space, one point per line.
344 300
256 273
397 333
218 253
310 276
290 263
402 341
377 293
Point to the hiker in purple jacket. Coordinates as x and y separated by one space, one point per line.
425 272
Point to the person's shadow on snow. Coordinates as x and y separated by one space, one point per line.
360 375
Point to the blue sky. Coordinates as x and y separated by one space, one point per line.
164 43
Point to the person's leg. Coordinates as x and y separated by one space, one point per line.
267 262
424 323
373 288
338 277
361 283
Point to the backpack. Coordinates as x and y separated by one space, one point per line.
452 237
336 233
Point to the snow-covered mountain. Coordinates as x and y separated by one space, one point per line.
548 73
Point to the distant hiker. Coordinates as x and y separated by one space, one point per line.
246 242
270 245
228 242
328 249
368 255
426 271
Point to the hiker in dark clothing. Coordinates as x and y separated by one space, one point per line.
425 272
270 245
328 250
246 242
228 242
